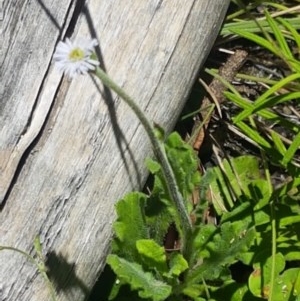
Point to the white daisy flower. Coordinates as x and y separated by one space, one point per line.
75 58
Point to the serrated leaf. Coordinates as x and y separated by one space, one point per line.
152 254
289 248
158 217
259 193
232 181
144 282
153 166
184 163
248 213
177 264
193 291
286 217
160 211
130 225
220 247
202 235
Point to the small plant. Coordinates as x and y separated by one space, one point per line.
164 246
257 220
38 261
255 228
139 258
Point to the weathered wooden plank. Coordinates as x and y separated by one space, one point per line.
67 153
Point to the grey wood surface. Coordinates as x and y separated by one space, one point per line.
70 149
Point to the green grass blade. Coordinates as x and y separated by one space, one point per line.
246 105
273 101
292 150
256 39
254 135
223 81
290 28
279 36
265 113
263 98
278 143
294 63
251 26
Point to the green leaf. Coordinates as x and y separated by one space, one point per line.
271 101
134 275
249 213
283 46
160 211
246 105
177 264
234 292
265 113
290 187
194 291
184 164
263 100
153 255
287 286
159 216
202 235
218 248
288 156
278 143
38 246
254 135
260 194
289 248
251 26
130 225
231 181
289 220
285 216
153 166
295 35
259 280
256 39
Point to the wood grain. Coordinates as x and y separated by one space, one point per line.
70 149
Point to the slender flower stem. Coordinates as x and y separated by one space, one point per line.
158 151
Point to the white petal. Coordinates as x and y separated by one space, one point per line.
74 67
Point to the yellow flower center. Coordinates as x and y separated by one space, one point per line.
76 54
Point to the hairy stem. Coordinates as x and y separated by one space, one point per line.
159 152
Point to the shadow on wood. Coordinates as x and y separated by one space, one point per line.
70 149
